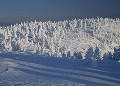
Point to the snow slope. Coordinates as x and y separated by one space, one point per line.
83 52
34 70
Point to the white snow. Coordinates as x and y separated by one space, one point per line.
27 70
83 52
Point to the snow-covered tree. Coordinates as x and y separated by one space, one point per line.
89 57
108 56
68 54
54 37
97 53
78 55
116 54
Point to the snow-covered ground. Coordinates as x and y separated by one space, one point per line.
83 52
34 70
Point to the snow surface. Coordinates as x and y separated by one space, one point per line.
35 70
83 52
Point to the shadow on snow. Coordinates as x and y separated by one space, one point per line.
62 68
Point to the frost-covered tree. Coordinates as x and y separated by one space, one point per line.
108 56
52 47
97 53
64 55
54 37
68 54
116 54
89 57
78 55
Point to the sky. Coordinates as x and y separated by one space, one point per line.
16 11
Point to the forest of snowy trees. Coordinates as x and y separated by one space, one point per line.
95 38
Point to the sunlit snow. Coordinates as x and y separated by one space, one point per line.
79 52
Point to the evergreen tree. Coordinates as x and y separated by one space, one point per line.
108 56
116 54
68 54
97 53
90 59
78 55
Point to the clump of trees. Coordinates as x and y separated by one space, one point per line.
48 38
114 56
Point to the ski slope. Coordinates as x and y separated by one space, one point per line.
34 70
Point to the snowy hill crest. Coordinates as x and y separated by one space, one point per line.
62 38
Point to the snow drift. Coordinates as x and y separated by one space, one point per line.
83 38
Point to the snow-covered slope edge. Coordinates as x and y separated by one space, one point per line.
81 38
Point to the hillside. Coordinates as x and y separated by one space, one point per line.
83 52
63 38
